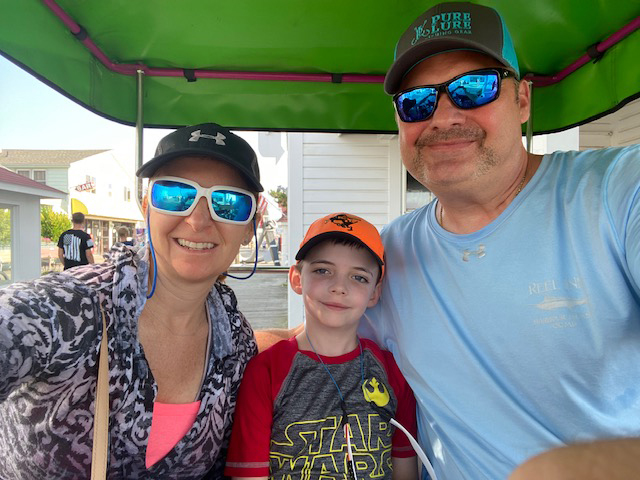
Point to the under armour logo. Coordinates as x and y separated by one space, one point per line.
480 252
219 138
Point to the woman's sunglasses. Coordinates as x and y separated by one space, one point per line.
469 90
179 196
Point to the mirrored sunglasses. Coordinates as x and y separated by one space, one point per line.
469 90
179 196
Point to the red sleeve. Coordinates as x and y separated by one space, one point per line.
248 454
406 411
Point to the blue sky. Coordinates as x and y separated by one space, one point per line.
33 116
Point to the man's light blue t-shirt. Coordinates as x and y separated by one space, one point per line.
524 335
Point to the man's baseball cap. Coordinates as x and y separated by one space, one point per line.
344 226
206 139
449 27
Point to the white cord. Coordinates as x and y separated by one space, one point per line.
423 458
347 434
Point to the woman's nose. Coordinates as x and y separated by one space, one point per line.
200 217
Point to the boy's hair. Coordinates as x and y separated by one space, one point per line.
77 218
123 232
344 229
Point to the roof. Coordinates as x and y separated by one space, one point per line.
52 158
26 185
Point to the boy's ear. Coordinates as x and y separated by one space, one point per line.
248 236
295 279
375 296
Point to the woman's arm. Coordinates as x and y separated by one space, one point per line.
405 468
271 336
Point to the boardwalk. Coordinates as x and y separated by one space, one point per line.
263 298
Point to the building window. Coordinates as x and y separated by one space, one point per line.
91 182
40 176
24 173
417 194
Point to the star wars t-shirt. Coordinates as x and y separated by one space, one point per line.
289 417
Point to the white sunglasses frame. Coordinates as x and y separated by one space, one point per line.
202 192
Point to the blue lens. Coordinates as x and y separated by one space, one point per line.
231 205
469 90
172 196
416 105
474 90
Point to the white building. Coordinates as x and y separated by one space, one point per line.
20 209
98 183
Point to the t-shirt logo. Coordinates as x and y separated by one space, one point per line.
375 392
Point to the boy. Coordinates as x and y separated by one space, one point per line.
318 405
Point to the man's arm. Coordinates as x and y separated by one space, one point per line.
89 253
271 336
616 459
61 255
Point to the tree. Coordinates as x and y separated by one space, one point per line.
5 227
280 196
52 224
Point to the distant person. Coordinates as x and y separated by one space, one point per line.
75 245
318 405
123 236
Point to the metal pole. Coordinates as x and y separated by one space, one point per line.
139 132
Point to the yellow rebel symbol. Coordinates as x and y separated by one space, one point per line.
375 392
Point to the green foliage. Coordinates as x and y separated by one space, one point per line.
5 227
52 224
280 196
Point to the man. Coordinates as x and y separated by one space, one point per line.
512 301
123 236
74 245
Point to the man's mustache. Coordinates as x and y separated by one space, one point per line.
464 134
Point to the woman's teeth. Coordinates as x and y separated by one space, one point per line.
194 245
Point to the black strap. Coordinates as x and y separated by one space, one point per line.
594 53
189 74
82 33
336 78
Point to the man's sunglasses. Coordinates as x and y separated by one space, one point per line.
469 90
179 196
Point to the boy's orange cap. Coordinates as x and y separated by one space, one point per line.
348 226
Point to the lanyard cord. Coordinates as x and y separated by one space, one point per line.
351 469
342 402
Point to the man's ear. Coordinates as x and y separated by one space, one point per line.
295 279
375 295
524 100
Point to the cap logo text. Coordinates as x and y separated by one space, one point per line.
218 137
443 24
344 221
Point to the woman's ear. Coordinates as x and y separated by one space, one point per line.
295 278
248 235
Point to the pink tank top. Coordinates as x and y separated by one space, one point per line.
170 422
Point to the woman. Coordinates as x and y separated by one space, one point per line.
177 344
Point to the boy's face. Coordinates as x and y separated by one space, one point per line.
337 283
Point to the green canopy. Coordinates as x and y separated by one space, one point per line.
300 65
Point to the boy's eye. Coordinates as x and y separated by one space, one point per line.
360 279
321 271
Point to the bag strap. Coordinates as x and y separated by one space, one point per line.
100 450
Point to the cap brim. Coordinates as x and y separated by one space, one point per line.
415 55
149 168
